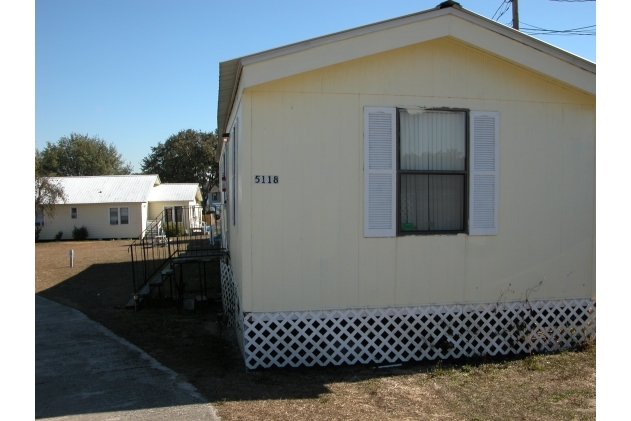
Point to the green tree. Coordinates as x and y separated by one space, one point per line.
186 157
82 155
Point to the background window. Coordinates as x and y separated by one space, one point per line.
113 216
39 219
119 216
73 213
173 213
124 216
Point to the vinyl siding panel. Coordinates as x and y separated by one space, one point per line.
238 241
96 219
156 208
302 247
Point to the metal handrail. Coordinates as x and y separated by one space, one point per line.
177 231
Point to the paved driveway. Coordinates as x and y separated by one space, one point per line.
85 372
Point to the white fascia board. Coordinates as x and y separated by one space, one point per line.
340 36
234 104
338 50
396 33
528 40
234 108
550 63
236 92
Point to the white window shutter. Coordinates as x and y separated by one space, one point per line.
380 171
484 171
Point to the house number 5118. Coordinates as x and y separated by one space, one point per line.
265 179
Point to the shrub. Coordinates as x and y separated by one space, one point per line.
173 229
80 233
37 231
59 235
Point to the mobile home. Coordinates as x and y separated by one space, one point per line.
418 188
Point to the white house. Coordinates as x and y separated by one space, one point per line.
418 188
117 206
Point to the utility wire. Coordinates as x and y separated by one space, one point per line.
508 4
535 30
504 2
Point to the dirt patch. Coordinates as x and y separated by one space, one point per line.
195 345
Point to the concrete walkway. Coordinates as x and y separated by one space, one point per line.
85 372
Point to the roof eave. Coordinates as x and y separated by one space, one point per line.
229 82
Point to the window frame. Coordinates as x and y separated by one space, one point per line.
465 173
109 215
75 213
174 214
118 215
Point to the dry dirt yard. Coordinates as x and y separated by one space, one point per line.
194 344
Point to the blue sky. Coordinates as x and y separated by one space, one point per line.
134 72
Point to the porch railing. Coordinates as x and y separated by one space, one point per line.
175 232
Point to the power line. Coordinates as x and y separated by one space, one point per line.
536 30
504 2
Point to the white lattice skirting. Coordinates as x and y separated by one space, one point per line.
389 335
230 301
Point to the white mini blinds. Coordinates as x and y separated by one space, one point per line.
432 172
427 172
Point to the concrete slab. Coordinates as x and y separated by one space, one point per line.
83 371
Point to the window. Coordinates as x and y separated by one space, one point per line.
234 173
124 214
173 213
432 171
119 216
39 219
429 171
73 213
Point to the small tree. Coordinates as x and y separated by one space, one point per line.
48 193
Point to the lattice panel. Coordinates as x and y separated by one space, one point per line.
391 335
230 300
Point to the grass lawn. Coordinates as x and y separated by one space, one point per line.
194 344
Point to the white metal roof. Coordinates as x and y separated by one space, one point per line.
108 188
175 192
230 71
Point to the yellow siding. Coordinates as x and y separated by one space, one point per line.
240 261
300 243
96 218
425 33
156 208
